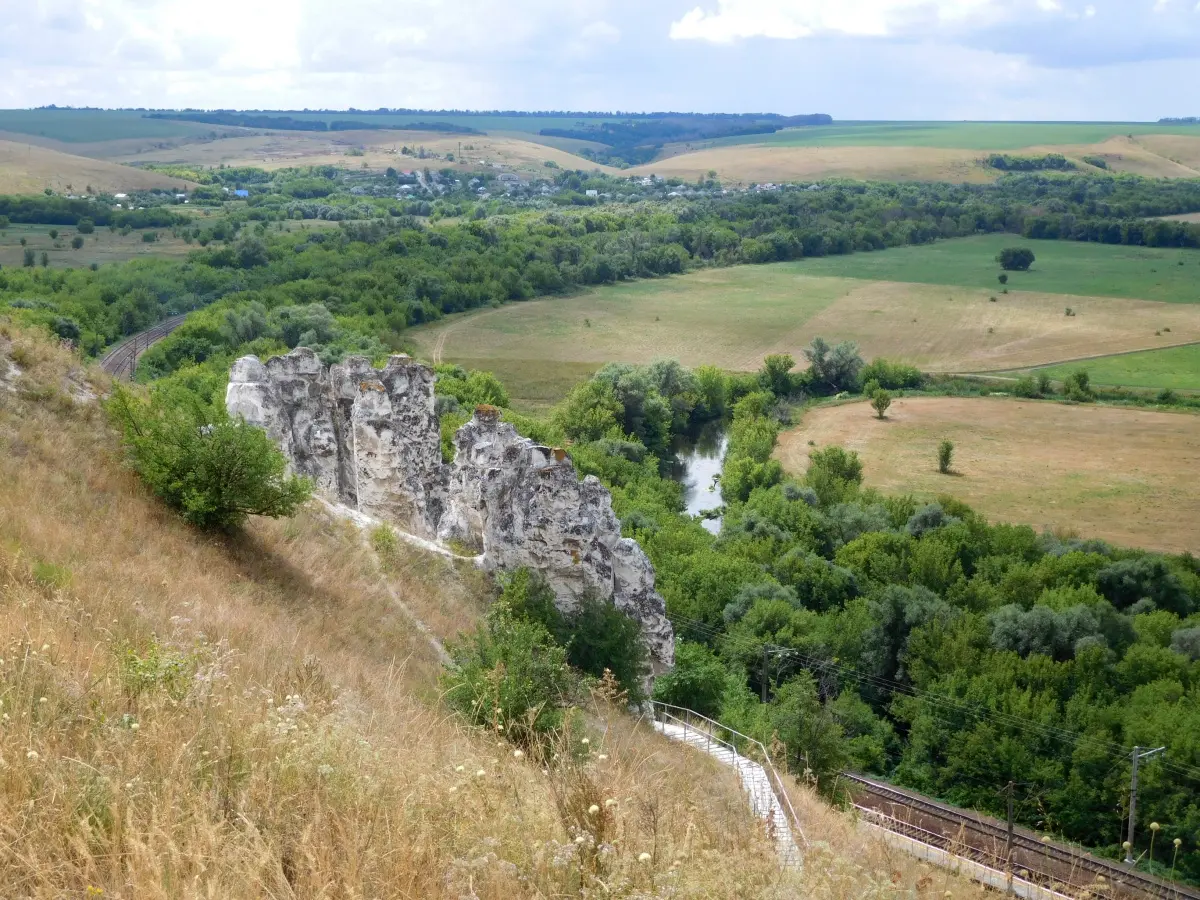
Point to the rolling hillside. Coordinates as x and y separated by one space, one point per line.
29 169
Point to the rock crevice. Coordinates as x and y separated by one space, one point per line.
370 438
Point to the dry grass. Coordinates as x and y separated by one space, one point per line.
1157 156
749 163
186 716
28 169
1125 475
275 150
734 317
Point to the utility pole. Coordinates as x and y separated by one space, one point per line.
1008 867
764 674
1137 755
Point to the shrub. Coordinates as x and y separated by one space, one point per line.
1016 259
1077 386
834 473
85 226
945 456
214 471
77 242
510 675
149 237
1027 387
880 401
697 681
892 376
28 258
595 634
53 234
928 518
1004 278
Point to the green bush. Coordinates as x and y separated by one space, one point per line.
1016 259
1078 387
892 376
510 675
945 456
214 471
595 634
697 681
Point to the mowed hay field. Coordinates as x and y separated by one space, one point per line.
30 169
892 306
102 246
1123 475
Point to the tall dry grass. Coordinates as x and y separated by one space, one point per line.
187 716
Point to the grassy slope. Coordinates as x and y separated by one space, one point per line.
955 135
89 125
29 169
1119 474
285 741
1177 368
1062 267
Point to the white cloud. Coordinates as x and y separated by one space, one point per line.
789 19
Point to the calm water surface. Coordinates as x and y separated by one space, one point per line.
697 467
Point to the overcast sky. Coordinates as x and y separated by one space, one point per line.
876 59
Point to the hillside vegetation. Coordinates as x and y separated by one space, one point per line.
253 717
30 169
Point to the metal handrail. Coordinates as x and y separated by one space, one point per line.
776 783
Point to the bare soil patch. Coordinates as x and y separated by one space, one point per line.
1124 475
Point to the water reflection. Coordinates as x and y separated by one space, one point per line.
697 467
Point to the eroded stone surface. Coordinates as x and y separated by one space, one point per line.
370 440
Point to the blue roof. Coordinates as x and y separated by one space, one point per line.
241 193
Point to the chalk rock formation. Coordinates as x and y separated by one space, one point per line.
367 438
370 439
523 504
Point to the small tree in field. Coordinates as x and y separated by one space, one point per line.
1003 278
1016 259
213 470
880 401
945 456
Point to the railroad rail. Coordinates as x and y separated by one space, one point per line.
968 834
121 360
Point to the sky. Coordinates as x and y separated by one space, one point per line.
854 59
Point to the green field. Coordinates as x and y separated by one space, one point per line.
102 246
953 135
1062 267
81 126
1177 368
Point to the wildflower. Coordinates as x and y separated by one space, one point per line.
593 809
1154 826
610 803
643 857
134 727
32 755
581 839
585 741
603 757
517 754
41 699
460 768
480 774
45 647
1178 842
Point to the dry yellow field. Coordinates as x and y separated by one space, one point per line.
275 150
29 169
1124 475
1158 156
734 317
1185 217
748 163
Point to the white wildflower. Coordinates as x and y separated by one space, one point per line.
643 857
593 809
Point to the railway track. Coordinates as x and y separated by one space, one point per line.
121 360
1060 868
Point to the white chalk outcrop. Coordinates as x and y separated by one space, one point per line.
369 438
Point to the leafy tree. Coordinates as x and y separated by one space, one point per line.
85 226
1128 581
1003 278
45 260
812 736
891 376
775 375
945 456
1078 387
77 242
880 401
1016 259
215 472
834 473
53 234
591 411
29 258
697 681
834 368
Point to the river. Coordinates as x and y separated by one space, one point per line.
697 467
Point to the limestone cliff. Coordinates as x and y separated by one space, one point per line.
369 438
